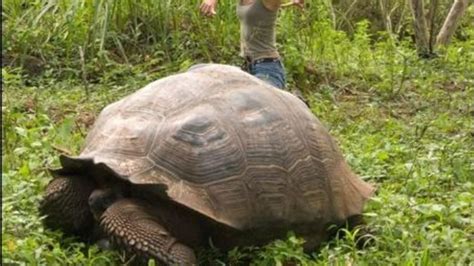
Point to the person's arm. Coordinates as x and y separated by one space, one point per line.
274 5
297 3
208 7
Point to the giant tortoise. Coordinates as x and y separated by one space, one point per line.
211 153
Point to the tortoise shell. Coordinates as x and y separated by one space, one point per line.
229 146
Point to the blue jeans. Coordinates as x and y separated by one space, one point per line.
270 71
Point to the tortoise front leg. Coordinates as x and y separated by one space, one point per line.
66 207
132 227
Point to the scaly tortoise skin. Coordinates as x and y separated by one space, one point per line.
211 152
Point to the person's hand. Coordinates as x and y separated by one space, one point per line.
208 7
297 3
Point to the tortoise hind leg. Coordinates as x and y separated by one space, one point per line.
356 225
65 205
132 227
364 234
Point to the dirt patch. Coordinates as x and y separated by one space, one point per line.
32 65
86 119
452 86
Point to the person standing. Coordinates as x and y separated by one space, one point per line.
258 37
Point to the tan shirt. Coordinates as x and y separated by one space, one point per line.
257 31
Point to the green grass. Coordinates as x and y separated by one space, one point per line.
404 124
417 148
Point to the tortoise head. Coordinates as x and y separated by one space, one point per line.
101 199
